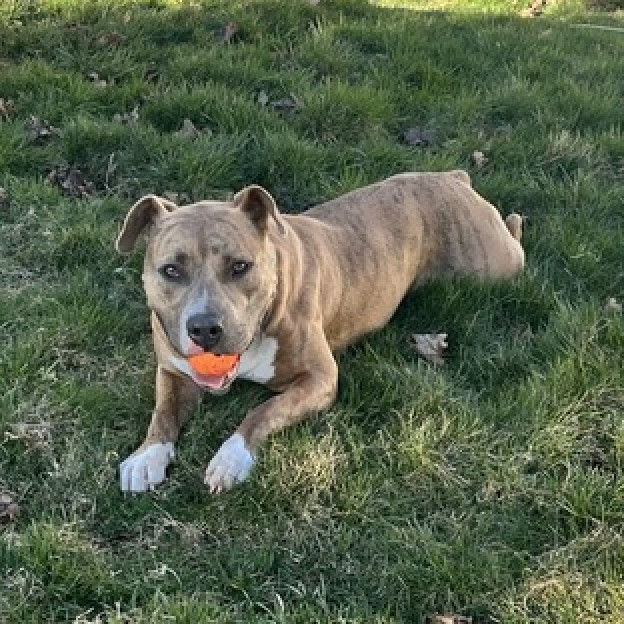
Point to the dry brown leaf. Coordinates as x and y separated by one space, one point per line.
231 29
6 108
451 619
71 181
151 75
9 509
612 305
127 118
188 130
285 104
79 29
40 130
419 137
35 435
479 159
96 80
430 346
112 39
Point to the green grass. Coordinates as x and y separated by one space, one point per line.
490 488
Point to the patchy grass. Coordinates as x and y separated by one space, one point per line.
490 488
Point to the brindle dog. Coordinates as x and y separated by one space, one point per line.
285 291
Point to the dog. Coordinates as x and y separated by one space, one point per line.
287 291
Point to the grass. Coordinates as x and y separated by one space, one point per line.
490 488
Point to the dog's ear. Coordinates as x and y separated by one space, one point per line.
146 211
258 204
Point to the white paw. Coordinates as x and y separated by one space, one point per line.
145 470
232 464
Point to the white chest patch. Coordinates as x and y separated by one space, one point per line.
258 362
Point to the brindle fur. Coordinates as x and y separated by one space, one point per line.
319 281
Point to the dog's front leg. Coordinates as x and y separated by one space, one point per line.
146 467
310 393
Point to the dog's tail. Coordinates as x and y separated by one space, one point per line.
514 225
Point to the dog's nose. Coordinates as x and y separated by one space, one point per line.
204 329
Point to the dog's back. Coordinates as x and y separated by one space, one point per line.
380 240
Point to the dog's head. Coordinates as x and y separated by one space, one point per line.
210 271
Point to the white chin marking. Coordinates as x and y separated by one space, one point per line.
232 464
145 470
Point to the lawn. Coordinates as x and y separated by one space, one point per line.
491 487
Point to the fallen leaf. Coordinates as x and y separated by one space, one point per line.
312 2
127 118
96 80
230 30
479 159
188 130
9 509
35 435
127 17
112 39
40 130
71 181
419 137
151 74
263 98
74 27
430 346
4 197
6 108
451 619
285 104
612 305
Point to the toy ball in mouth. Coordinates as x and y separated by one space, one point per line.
213 364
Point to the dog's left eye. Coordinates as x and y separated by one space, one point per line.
240 267
171 271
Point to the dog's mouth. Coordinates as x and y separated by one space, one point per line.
217 373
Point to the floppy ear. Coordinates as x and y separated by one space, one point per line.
146 211
259 205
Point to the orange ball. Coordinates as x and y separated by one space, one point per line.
212 364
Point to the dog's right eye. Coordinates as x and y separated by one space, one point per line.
170 272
